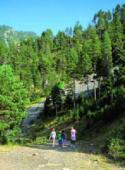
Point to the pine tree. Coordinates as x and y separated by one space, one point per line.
117 39
107 55
13 98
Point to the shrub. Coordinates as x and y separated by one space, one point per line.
41 140
91 114
77 114
13 136
116 148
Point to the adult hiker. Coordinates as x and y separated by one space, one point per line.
73 136
53 136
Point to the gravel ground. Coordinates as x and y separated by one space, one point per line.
46 157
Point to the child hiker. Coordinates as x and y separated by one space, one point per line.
60 138
53 137
73 137
63 134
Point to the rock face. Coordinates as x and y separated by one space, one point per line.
33 116
88 85
85 87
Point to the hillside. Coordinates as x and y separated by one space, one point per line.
77 79
90 152
104 136
9 35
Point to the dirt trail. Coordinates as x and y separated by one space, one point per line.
55 158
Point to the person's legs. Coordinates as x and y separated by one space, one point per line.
60 143
53 142
63 142
73 143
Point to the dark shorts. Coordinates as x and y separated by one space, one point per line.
60 142
73 142
52 139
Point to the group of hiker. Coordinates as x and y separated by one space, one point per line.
62 137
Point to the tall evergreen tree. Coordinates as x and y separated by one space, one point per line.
13 98
107 55
117 39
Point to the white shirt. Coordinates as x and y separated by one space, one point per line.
53 135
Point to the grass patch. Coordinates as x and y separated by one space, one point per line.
33 103
8 148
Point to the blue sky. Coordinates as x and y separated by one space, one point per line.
38 15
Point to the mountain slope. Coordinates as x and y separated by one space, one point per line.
8 34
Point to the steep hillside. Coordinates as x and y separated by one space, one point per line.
107 137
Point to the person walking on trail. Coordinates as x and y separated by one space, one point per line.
53 136
73 137
63 135
60 138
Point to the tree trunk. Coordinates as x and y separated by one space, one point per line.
87 85
99 85
56 109
94 91
74 97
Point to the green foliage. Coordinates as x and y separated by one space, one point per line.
13 135
13 98
116 148
75 114
40 140
117 39
33 67
107 55
41 62
91 114
61 85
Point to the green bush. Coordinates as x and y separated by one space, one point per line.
81 110
77 114
41 140
13 136
91 114
71 113
116 148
